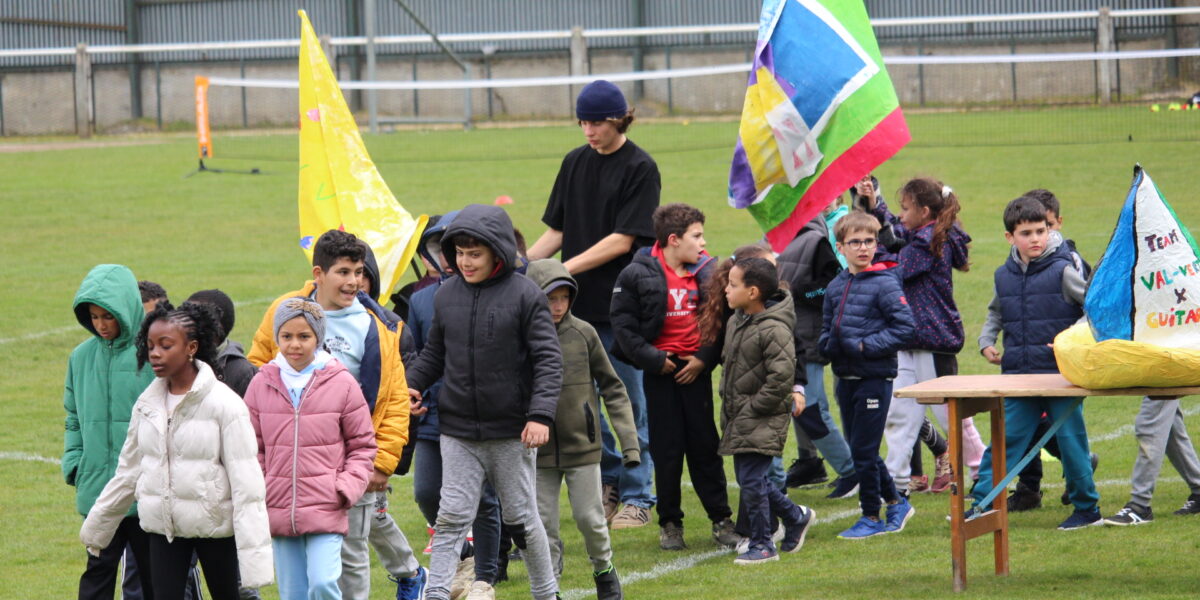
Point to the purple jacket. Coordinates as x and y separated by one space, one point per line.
929 283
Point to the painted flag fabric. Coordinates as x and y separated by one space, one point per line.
340 188
820 112
1146 288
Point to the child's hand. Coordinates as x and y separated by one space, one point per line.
535 435
991 354
416 408
798 402
690 371
414 394
94 551
668 366
378 481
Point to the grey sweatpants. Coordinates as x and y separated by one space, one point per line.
371 522
587 507
509 466
1160 429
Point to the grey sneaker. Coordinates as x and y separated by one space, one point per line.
631 516
724 534
670 537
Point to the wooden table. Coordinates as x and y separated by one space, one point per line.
967 395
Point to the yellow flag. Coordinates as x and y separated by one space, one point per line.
340 188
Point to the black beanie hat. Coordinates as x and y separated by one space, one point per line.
600 100
224 305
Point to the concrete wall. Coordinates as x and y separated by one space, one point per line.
39 103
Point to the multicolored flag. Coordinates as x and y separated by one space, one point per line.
1146 288
340 188
820 112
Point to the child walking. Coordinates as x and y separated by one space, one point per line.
103 383
573 452
494 339
190 463
934 245
756 393
654 318
1038 293
865 322
315 446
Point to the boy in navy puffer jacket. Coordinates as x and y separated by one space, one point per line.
865 322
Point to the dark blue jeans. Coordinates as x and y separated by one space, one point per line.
864 404
636 485
761 502
427 490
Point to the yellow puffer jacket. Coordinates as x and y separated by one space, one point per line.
383 382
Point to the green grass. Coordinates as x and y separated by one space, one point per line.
67 210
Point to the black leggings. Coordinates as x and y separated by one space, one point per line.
172 560
100 578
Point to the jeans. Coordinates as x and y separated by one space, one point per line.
761 502
636 484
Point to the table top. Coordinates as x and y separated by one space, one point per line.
1048 385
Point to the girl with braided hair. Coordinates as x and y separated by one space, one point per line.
190 462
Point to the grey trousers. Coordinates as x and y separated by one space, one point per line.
509 466
1160 429
371 522
587 507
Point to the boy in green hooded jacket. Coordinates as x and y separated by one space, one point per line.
103 382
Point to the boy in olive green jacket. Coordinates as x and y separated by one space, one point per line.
573 452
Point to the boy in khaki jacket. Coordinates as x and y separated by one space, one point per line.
573 452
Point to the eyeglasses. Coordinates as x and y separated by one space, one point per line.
856 244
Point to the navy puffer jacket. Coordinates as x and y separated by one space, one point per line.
865 322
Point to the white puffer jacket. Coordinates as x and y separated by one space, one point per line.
194 474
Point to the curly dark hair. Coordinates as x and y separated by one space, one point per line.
711 315
199 322
335 244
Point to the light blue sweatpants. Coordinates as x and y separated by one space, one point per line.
308 566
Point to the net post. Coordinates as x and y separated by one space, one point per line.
85 114
579 59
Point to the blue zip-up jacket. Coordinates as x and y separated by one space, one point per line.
1033 310
865 322
420 320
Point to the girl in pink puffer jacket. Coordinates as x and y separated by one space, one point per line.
316 447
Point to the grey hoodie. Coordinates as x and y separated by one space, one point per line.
494 342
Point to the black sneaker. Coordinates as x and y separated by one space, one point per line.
806 472
793 537
1132 514
844 487
1080 519
608 586
1024 499
1190 507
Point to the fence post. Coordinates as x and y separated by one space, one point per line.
579 61
1104 41
85 113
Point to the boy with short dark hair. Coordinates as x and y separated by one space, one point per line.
866 320
493 337
366 339
1038 293
152 293
573 453
654 318
236 369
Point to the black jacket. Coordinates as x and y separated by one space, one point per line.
494 342
808 264
639 309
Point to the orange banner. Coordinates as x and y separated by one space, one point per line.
203 139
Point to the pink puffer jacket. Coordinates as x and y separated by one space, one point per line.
316 458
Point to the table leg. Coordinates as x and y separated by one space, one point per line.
999 470
958 536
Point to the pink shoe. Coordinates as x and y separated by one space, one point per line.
943 474
429 546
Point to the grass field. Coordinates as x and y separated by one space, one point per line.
69 209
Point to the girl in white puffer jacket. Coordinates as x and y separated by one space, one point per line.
190 461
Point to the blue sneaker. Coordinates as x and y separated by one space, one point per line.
864 528
757 555
1080 519
898 514
793 537
411 588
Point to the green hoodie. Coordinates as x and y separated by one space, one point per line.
575 434
103 383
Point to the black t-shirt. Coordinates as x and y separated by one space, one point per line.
594 196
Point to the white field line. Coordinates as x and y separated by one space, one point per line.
1127 429
685 562
27 457
60 330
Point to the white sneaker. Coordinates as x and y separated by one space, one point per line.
480 590
744 545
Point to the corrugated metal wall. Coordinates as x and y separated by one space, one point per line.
26 23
